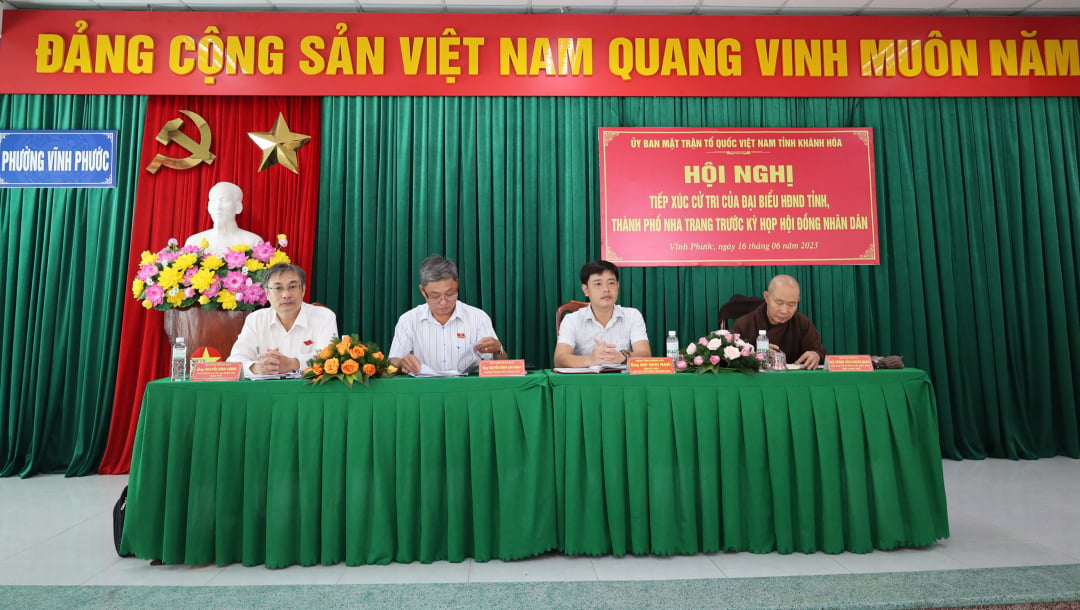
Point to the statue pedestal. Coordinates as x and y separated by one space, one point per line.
217 329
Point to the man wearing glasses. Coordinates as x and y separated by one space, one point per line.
443 335
284 337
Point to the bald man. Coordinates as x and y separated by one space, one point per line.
788 330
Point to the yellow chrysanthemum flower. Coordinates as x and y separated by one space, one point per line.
278 257
203 243
202 279
240 248
227 300
184 261
170 277
204 300
147 258
254 265
212 262
137 287
175 297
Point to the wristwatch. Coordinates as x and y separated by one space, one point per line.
626 353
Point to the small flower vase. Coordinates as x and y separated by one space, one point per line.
202 329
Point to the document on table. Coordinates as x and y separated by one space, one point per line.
427 371
598 368
289 375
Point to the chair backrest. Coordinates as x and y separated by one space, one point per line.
565 308
737 306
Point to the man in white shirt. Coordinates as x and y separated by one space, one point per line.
284 337
602 333
443 334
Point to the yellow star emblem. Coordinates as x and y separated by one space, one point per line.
279 145
206 354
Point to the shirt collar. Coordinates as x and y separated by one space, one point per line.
301 318
615 314
425 313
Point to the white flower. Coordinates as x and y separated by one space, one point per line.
731 352
715 343
692 348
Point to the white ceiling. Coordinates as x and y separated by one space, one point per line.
672 7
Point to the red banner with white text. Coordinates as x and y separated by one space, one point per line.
280 53
694 196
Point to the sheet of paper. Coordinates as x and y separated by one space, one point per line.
290 375
599 368
427 371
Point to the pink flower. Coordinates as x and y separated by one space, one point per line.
165 256
253 293
691 349
760 356
173 243
746 351
235 281
680 364
191 271
731 352
735 336
703 341
155 294
714 359
698 360
189 292
263 251
146 272
235 259
714 343
282 241
189 249
213 290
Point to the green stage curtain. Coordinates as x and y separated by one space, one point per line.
978 208
64 258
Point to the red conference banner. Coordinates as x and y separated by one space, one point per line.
199 53
696 196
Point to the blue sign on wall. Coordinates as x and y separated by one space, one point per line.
58 159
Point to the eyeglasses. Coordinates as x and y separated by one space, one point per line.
444 298
279 289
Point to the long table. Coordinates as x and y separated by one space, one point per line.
283 473
795 461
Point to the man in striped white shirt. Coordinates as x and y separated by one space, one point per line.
443 334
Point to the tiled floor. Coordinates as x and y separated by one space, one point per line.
1002 513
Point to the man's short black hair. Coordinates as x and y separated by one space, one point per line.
598 267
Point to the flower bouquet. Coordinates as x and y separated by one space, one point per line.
183 276
719 352
348 360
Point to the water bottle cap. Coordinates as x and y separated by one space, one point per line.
761 332
671 333
179 339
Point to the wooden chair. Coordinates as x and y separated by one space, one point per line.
565 308
737 306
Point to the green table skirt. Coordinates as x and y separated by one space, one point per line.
795 461
280 473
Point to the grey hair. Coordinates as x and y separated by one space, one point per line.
281 268
435 268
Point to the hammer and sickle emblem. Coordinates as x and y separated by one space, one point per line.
200 151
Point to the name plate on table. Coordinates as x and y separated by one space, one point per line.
845 364
217 371
502 368
650 366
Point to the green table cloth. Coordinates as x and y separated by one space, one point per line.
795 461
281 473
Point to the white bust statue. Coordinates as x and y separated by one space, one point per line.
226 201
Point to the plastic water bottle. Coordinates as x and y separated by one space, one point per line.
763 348
179 360
672 346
